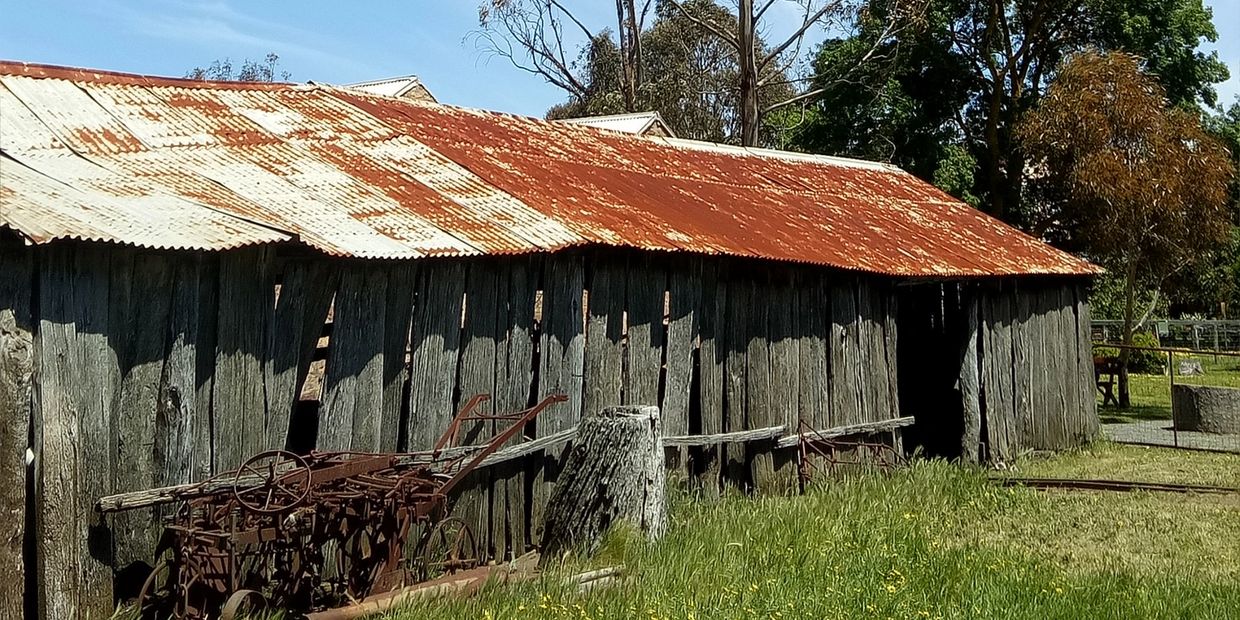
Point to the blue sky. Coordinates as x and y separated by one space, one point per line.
334 42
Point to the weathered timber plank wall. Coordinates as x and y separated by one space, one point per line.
152 368
1020 365
16 368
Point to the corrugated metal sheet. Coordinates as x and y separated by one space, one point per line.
180 164
636 123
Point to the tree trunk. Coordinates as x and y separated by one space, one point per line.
615 472
750 116
1130 302
627 38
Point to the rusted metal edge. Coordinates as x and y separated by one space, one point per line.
1086 484
523 568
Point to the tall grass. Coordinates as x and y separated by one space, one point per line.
930 541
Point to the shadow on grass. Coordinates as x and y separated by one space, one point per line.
1134 413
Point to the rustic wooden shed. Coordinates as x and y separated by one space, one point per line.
174 255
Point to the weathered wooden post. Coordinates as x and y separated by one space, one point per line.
614 472
968 382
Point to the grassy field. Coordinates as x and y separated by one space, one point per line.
930 541
1151 394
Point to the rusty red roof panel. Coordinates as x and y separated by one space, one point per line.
180 163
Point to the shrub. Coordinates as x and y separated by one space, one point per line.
1140 362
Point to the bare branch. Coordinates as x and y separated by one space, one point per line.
795 38
723 35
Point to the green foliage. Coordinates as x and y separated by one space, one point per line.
896 108
1107 299
1166 33
1210 286
929 541
967 78
955 173
1140 361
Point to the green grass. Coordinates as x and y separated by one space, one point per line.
1151 394
930 541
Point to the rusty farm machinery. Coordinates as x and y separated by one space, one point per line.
309 532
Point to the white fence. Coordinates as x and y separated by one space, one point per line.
1213 335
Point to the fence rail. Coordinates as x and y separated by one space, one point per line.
1204 335
1166 410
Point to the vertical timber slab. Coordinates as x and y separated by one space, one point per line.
396 323
846 397
351 413
176 408
16 367
873 373
1052 408
78 374
712 356
562 340
202 425
246 301
301 310
997 372
480 339
435 338
737 324
138 327
1022 328
891 321
514 377
604 360
1067 361
813 312
968 382
684 290
644 300
1084 378
759 399
1037 369
783 331
561 362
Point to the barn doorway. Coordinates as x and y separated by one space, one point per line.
933 328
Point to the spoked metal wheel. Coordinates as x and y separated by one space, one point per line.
272 482
158 596
448 547
162 595
242 604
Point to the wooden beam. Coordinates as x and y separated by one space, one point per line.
865 428
757 434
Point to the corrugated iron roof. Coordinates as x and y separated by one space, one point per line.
172 163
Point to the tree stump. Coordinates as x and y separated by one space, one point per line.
614 472
1206 409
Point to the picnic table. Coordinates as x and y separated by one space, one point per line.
1105 370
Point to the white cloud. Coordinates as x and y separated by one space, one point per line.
227 32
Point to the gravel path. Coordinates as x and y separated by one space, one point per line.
1158 432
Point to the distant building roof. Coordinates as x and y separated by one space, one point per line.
173 163
640 123
408 87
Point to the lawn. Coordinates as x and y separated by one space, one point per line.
1151 394
932 540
